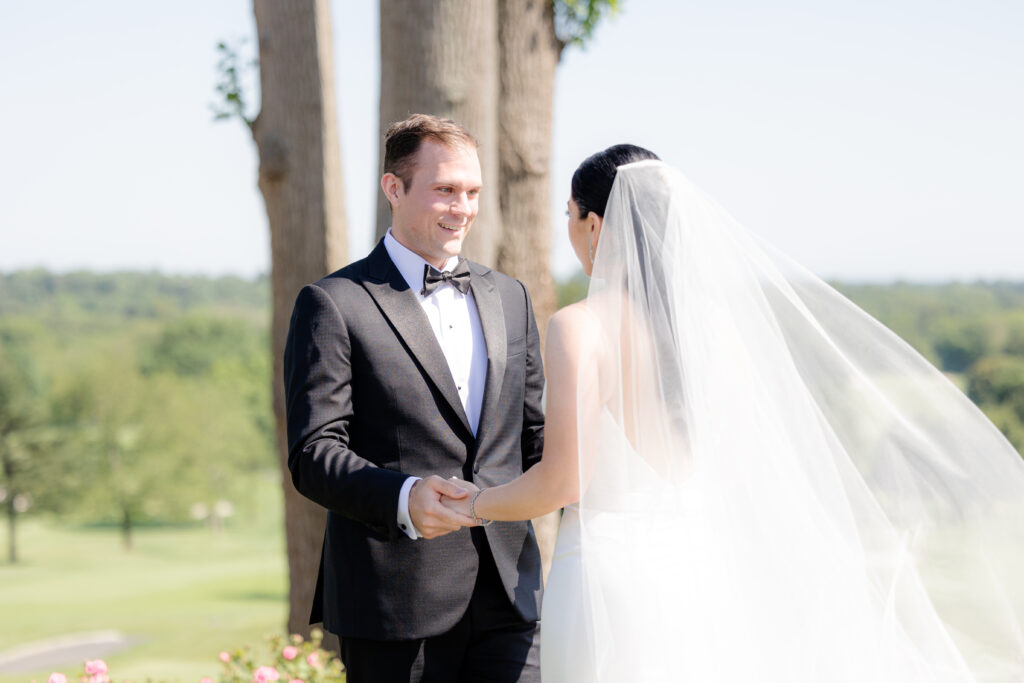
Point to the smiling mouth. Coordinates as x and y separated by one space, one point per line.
452 228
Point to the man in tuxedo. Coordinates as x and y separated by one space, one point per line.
402 370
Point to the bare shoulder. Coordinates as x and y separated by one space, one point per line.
573 331
572 321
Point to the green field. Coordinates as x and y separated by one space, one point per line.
186 592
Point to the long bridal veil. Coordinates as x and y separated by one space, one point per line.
775 486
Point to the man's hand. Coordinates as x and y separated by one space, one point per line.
461 505
431 518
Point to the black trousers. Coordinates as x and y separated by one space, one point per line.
490 644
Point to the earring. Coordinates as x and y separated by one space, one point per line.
591 252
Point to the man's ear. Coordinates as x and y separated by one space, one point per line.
393 188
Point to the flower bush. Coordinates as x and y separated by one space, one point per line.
93 671
292 660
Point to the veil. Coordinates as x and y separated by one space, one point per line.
774 486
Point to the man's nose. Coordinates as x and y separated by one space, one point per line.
461 205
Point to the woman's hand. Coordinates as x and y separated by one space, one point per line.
428 515
461 505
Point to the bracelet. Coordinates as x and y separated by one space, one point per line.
472 510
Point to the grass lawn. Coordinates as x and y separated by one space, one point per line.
187 593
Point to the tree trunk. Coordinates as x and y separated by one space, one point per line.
300 178
126 528
12 548
8 463
440 57
529 53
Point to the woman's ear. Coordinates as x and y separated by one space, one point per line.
595 226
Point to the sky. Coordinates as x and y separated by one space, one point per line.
870 140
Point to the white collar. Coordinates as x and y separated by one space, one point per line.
409 263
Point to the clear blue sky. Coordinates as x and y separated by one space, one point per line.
869 140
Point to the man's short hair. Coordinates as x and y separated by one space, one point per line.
403 139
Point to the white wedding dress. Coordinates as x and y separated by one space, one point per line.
775 487
570 650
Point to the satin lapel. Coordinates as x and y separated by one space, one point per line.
492 320
402 308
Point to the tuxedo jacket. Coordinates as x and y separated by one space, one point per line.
370 400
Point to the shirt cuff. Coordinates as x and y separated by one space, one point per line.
404 520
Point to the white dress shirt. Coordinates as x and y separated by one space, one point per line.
455 321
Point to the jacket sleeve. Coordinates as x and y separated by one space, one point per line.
318 404
533 405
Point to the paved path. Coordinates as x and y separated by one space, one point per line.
63 653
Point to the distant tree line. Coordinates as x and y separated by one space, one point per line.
40 292
973 332
130 398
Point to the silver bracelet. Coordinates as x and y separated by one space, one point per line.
472 511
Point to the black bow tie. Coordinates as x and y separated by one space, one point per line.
434 278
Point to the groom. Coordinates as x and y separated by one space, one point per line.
409 364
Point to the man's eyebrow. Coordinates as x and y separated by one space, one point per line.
455 183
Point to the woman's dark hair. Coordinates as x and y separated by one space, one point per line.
592 181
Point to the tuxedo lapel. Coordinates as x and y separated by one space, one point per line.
492 320
401 307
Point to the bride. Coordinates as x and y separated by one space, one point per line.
760 481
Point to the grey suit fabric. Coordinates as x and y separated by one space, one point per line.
370 400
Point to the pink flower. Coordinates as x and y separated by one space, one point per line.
205 679
290 652
265 674
58 678
94 667
313 660
224 657
296 680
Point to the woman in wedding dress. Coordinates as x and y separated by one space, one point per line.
760 481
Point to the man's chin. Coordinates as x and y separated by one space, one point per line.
453 247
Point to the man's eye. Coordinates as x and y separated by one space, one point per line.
445 190
473 193
567 214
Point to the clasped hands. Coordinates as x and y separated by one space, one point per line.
440 506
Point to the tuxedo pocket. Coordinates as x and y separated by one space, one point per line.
516 347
